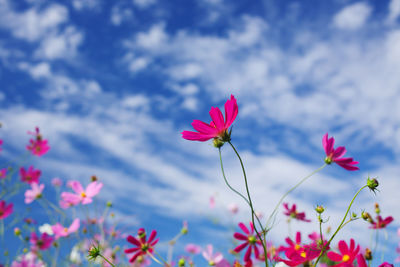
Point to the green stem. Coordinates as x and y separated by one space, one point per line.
339 227
109 262
290 190
263 242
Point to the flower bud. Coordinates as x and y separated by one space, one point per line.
372 184
320 209
368 254
109 204
218 142
366 216
17 231
181 262
93 178
94 252
354 215
377 209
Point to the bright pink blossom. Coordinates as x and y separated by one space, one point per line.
335 155
38 146
81 196
297 254
143 246
34 193
249 239
5 210
293 213
29 176
3 173
386 264
347 254
42 243
213 259
61 231
192 248
218 128
381 223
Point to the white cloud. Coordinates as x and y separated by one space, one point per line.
138 64
40 70
33 24
61 45
144 3
85 4
119 14
394 11
352 17
153 39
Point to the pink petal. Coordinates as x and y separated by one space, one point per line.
133 240
195 136
231 111
204 128
244 228
76 186
339 152
93 188
247 255
361 261
218 119
334 256
343 248
240 247
74 226
152 236
240 236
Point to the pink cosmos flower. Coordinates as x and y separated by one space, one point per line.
143 246
293 213
56 182
381 223
297 253
212 202
233 208
1 143
192 248
386 264
5 210
398 252
218 128
212 259
42 243
38 146
82 196
249 240
361 261
34 193
335 155
29 176
28 260
347 254
3 173
61 231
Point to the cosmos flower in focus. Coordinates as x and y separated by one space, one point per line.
142 246
347 253
38 146
249 239
83 196
336 155
218 127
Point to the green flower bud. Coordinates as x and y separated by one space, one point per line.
320 209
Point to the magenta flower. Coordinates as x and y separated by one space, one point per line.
249 239
42 243
3 173
335 155
361 261
143 246
386 264
218 128
5 210
293 213
1 143
61 231
296 253
381 223
81 196
34 193
213 259
37 146
29 176
347 254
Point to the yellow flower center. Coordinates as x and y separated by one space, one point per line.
303 254
66 229
345 258
296 247
83 194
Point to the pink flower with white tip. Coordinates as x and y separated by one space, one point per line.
83 196
34 193
213 259
61 231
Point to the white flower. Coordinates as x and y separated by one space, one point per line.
75 256
46 228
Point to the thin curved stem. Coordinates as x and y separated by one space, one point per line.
109 262
253 214
290 190
339 227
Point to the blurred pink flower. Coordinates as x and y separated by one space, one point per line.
33 193
3 173
381 223
5 210
212 202
42 243
28 260
335 155
386 264
56 182
233 208
38 146
61 231
212 259
347 254
82 196
398 252
293 213
29 176
1 143
193 248
218 128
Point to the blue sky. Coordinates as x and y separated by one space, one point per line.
112 84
